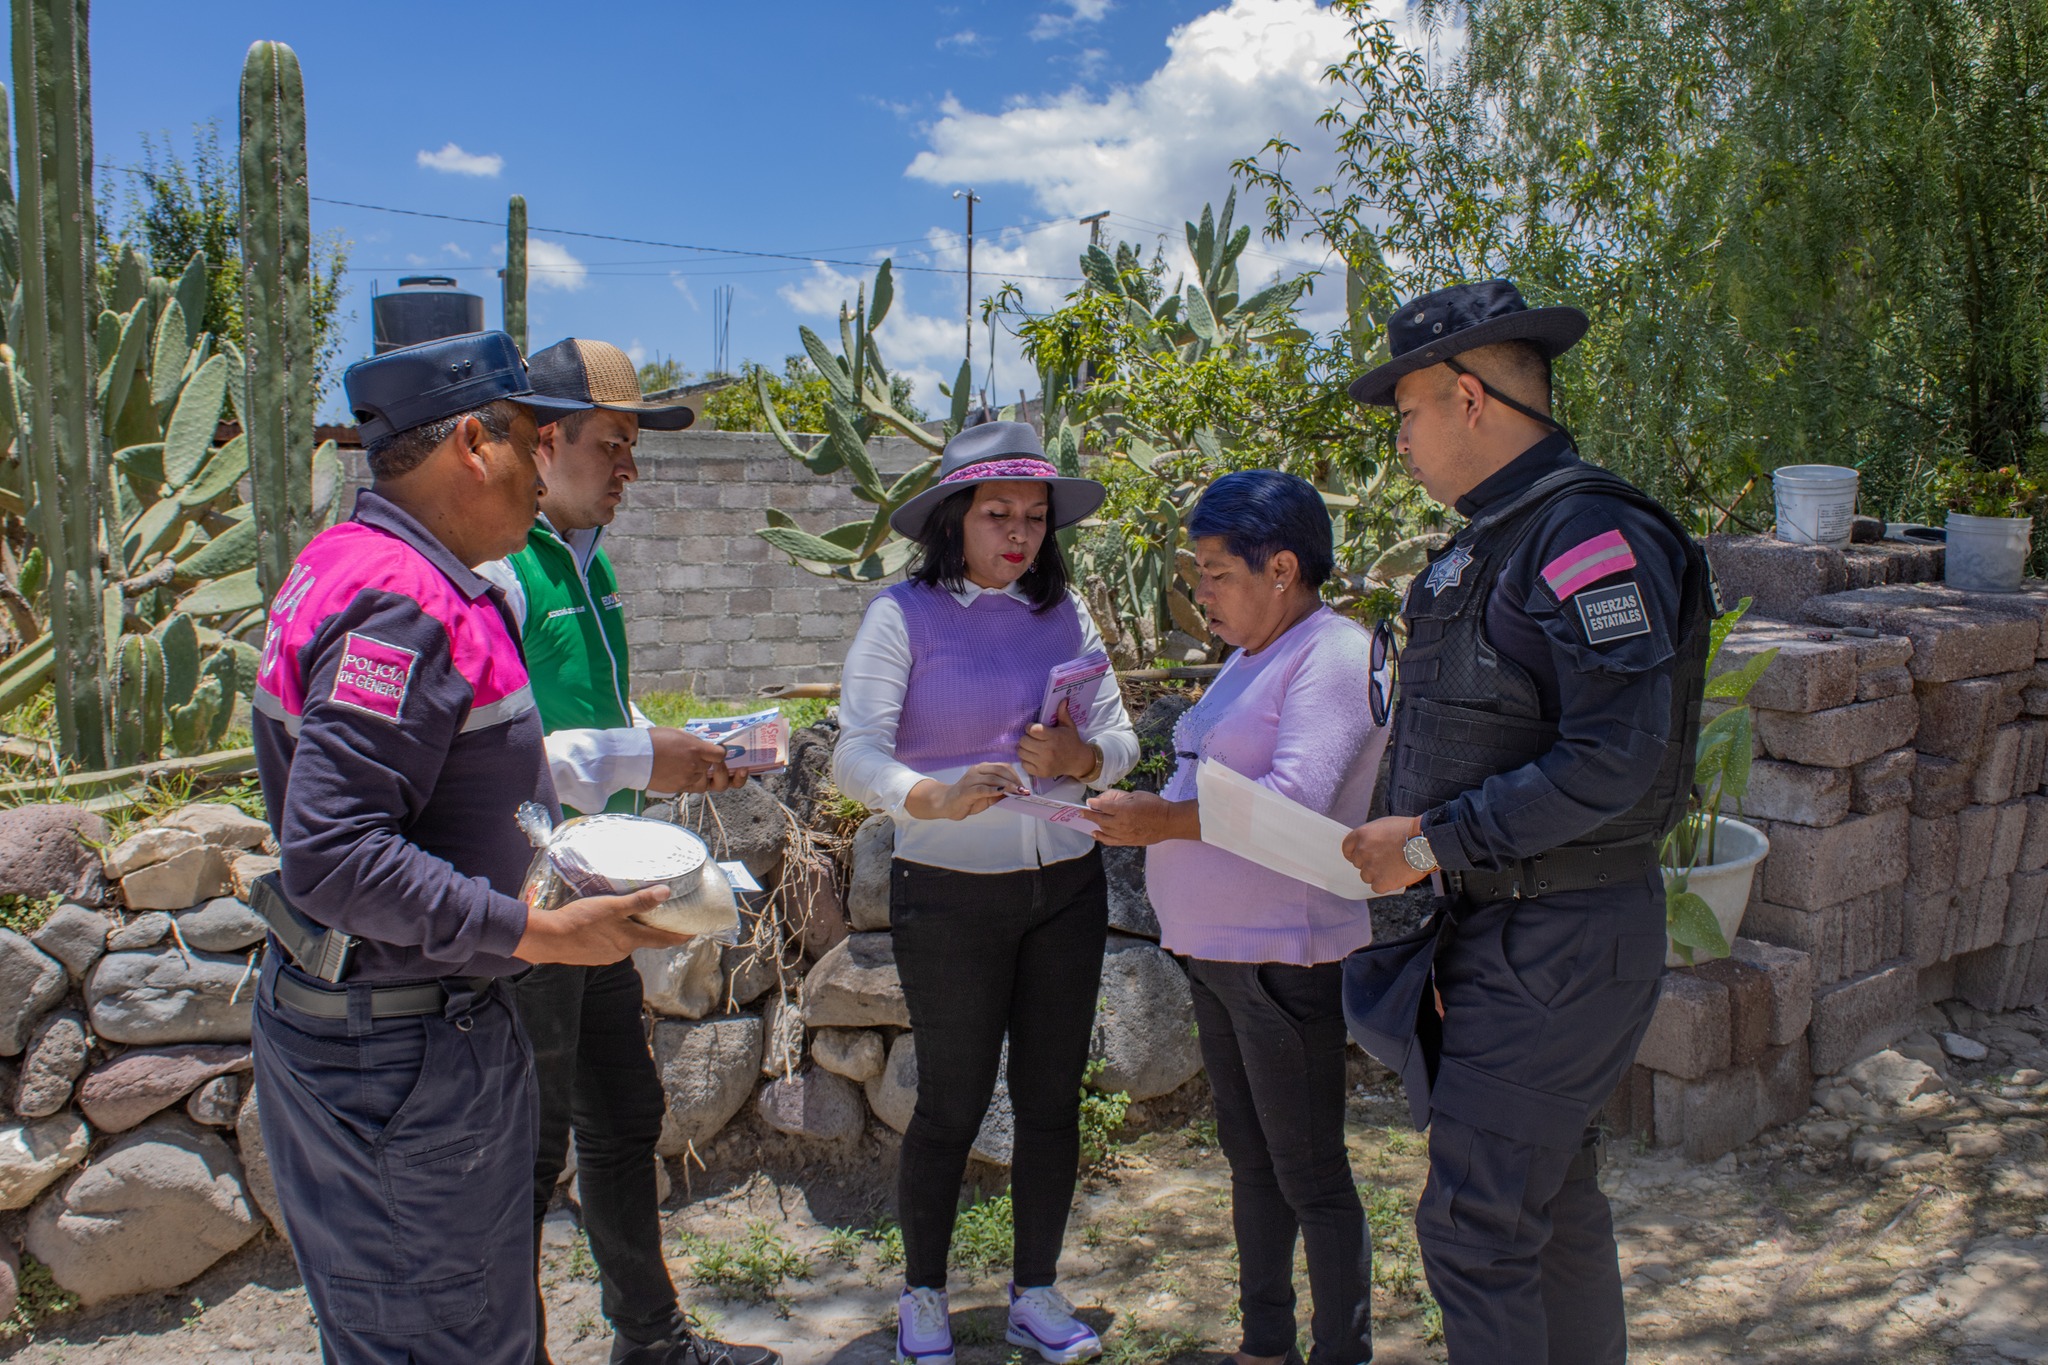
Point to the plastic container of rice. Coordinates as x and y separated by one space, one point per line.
610 855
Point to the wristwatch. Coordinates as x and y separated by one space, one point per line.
1419 854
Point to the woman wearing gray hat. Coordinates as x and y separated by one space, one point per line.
998 919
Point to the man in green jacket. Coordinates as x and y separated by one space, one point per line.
590 1050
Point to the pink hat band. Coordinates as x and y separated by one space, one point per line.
1003 469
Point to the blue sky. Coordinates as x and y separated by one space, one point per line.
835 133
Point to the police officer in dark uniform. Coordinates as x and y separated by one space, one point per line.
396 736
1543 747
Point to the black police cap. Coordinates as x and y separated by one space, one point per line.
1432 329
415 385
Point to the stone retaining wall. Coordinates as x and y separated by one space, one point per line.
1899 777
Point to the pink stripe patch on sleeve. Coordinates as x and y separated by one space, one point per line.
1588 562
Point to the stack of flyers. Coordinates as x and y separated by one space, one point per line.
758 743
1055 812
1077 682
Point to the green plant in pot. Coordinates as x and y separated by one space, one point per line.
1709 858
1990 524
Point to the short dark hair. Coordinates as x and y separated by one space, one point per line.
404 451
1518 367
1260 512
941 558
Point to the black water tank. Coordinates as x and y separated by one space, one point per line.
424 308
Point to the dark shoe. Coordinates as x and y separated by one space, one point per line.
686 1347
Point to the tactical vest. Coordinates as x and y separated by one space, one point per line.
1468 713
575 642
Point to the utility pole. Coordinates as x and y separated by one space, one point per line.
1094 222
970 196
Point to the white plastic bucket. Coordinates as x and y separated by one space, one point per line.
1987 554
1723 885
1815 503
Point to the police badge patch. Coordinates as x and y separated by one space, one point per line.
1448 571
1613 613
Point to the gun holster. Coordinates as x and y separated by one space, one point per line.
313 948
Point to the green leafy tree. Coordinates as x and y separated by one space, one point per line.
800 394
663 372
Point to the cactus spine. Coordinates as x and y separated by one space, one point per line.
515 270
277 308
59 316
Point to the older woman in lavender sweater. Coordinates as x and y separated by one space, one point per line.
1301 708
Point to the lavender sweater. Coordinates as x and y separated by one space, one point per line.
1297 718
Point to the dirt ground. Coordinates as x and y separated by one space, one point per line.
1915 1236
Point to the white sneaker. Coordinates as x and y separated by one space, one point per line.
924 1328
1043 1320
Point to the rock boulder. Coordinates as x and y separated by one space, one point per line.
127 1090
1145 1022
195 875
154 1210
813 1103
893 1097
746 824
55 1058
867 890
855 986
220 824
216 1103
75 936
708 1068
164 995
256 1162
34 1154
144 931
857 1054
222 925
1130 909
53 848
147 848
31 981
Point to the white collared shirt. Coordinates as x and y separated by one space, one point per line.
864 766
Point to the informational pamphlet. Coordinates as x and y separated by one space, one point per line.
757 743
1077 682
1261 826
1054 812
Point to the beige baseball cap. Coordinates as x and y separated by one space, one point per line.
602 375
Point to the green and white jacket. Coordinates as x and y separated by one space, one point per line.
565 596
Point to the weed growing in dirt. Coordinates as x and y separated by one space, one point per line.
582 1265
1102 1118
1396 1260
982 1235
1201 1133
1145 1346
753 1269
40 1297
26 914
843 1245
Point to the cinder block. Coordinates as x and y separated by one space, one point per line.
1798 794
1962 925
1689 1034
2023 907
2034 701
2034 847
1807 675
1992 899
1954 635
1841 737
1880 652
1993 978
1941 786
1712 1115
1749 1006
1929 917
1779 577
1883 682
1811 868
1785 1083
1788 974
1631 1111
2008 838
1955 716
1816 933
1931 849
1998 766
2033 766
1855 1017
1882 783
1976 835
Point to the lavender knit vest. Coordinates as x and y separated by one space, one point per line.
977 673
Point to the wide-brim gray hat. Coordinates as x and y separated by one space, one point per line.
1436 327
990 453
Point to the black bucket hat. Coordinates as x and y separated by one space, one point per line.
991 452
1432 329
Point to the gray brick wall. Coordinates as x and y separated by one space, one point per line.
710 608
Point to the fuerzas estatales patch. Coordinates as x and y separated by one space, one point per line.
1615 612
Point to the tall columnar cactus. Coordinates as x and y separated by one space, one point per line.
277 308
515 270
59 319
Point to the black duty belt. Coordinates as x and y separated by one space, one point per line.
386 1002
1561 869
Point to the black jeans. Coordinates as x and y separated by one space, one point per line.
597 1075
982 955
1272 1040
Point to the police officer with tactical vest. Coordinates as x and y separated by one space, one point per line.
1543 747
596 1075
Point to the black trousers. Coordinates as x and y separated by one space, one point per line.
1545 1002
982 956
597 1076
1272 1038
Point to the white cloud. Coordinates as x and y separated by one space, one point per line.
682 284
636 353
456 251
1051 23
550 265
966 37
820 293
452 160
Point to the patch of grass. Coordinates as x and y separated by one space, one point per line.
673 708
888 1240
582 1265
1390 1220
40 1297
1102 1118
1201 1133
26 914
844 1245
754 1268
983 1235
1150 1346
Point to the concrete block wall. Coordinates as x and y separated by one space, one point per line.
1900 778
710 607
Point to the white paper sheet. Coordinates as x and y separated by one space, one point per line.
1261 826
1055 812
